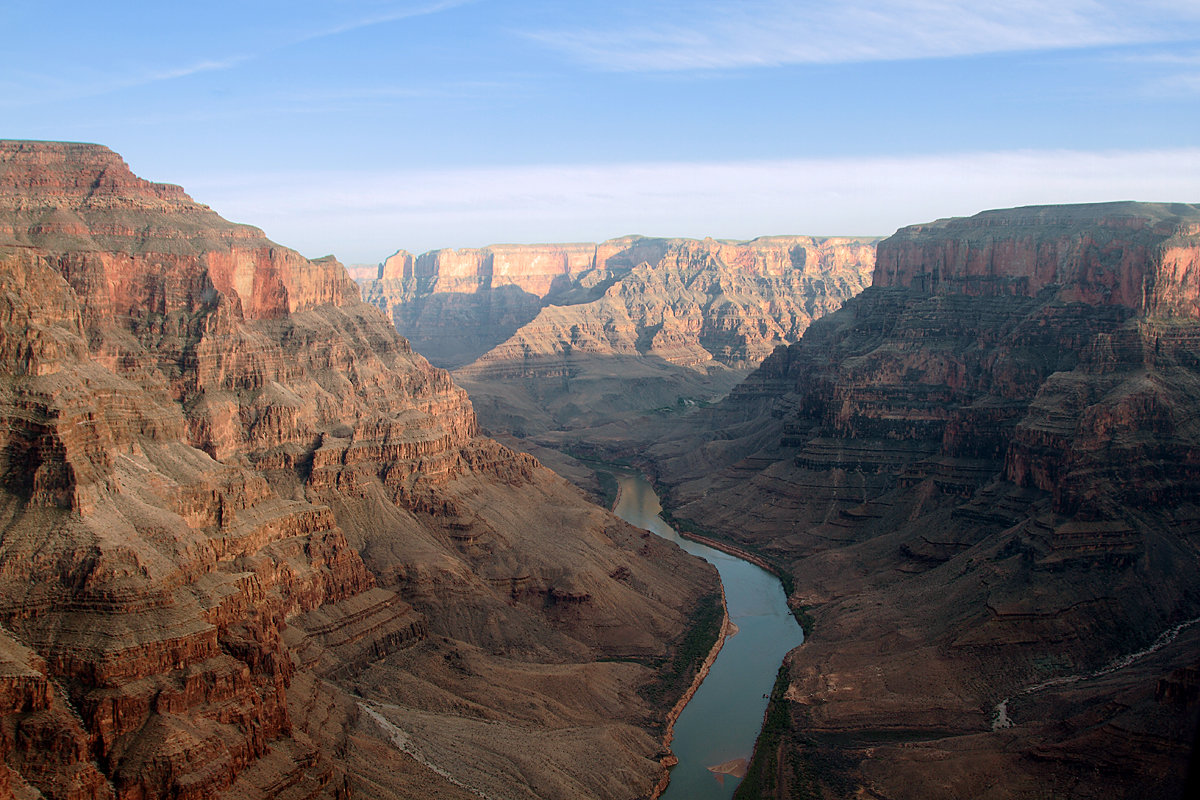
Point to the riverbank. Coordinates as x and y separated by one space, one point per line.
727 629
717 714
669 760
731 550
685 529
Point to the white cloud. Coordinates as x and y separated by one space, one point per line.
361 216
715 35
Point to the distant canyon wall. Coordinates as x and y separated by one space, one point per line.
785 280
548 337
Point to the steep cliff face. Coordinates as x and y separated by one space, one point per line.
1140 256
532 268
982 475
232 496
703 304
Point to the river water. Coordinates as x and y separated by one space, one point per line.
722 721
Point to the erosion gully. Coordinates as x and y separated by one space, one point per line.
715 733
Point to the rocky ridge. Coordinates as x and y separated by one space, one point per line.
571 337
982 476
252 545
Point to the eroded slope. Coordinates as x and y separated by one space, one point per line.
251 545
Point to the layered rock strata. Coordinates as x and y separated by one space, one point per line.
571 337
242 522
982 475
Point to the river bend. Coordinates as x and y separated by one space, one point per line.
723 719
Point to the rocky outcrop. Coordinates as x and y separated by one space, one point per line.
455 305
982 475
232 496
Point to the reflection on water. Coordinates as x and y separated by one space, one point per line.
721 722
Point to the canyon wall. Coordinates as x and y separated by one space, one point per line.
746 297
1139 256
455 305
982 476
251 544
556 342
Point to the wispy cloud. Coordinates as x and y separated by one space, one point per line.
1179 85
302 102
183 71
1178 72
1185 58
711 35
371 20
89 81
64 81
364 216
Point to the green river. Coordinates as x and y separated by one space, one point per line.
722 721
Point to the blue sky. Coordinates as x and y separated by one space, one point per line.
356 127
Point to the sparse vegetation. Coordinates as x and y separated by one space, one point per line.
676 673
762 774
608 487
811 771
804 619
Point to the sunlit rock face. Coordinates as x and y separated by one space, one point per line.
253 546
983 475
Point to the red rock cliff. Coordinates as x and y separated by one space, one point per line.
455 305
83 198
201 431
1143 256
532 268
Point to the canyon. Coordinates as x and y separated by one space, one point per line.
555 343
253 545
981 478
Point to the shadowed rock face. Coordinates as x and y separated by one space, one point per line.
572 337
251 545
983 475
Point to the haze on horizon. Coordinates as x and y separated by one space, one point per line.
360 126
